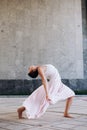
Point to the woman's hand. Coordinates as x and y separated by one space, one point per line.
47 97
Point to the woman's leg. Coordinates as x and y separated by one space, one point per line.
20 111
68 104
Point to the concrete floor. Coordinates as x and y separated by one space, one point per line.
52 120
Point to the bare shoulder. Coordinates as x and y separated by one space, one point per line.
42 68
39 68
41 71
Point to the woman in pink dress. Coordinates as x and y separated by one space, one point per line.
51 91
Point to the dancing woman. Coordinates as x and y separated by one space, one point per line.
51 91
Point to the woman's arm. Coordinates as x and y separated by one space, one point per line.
44 80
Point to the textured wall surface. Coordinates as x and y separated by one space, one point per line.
84 23
39 32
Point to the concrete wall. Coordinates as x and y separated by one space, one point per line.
84 23
39 32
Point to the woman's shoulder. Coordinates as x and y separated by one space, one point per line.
47 65
50 65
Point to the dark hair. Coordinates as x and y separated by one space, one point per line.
33 74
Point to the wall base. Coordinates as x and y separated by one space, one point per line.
26 87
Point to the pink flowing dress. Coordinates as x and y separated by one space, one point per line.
36 104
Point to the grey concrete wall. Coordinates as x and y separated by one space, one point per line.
39 32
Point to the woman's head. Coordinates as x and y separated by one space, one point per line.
33 71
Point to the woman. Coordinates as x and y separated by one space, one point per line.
51 91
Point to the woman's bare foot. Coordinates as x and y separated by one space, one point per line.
19 113
20 110
68 104
22 118
67 116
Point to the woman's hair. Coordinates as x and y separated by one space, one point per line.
33 74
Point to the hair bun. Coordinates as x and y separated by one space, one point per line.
33 74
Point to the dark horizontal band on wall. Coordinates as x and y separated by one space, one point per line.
26 87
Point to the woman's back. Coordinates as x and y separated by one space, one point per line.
51 72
